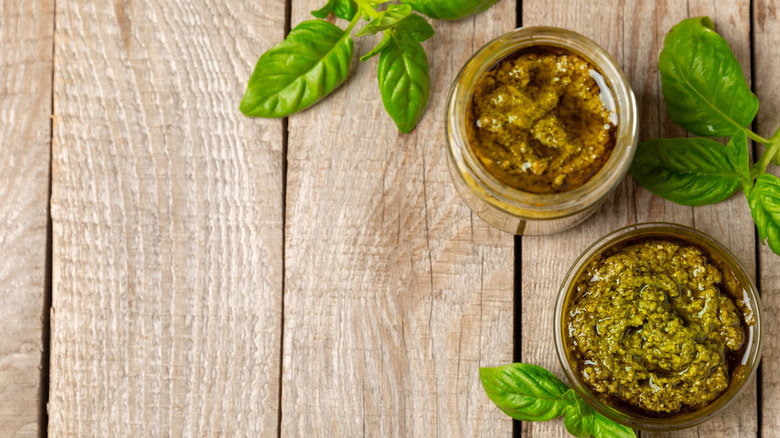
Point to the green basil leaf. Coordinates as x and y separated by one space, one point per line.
386 38
386 19
764 202
415 27
344 9
688 171
579 416
449 9
739 158
702 81
310 63
524 392
737 151
603 427
404 82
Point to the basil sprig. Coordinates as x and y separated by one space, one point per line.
528 392
315 57
706 93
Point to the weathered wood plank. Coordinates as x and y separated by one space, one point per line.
633 33
547 258
395 293
766 40
26 39
729 222
167 222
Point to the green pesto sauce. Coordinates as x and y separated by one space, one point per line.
537 122
655 326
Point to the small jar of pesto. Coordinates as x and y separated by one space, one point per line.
541 128
658 327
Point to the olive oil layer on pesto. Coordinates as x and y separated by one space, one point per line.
537 123
649 327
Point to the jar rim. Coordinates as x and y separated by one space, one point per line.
751 298
525 204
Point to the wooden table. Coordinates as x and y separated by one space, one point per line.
204 274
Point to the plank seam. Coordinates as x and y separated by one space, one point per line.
285 135
757 245
43 412
285 140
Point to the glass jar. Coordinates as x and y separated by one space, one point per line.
718 255
510 209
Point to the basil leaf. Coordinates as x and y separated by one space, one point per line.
404 81
386 19
688 171
310 63
415 27
603 427
579 416
739 158
449 9
764 200
344 9
702 81
386 38
737 151
524 392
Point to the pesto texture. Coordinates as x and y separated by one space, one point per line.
537 122
654 326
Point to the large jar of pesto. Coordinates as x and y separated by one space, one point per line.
658 327
541 128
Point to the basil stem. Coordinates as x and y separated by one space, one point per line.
763 162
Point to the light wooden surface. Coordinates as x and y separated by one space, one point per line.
167 212
26 38
395 293
217 275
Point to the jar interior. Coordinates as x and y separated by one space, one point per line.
530 205
542 119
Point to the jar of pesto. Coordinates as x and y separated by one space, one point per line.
541 127
658 327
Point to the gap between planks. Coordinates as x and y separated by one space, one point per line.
285 138
43 413
757 246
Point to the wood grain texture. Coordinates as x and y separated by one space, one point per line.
26 39
633 33
167 222
729 221
766 40
395 293
545 259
